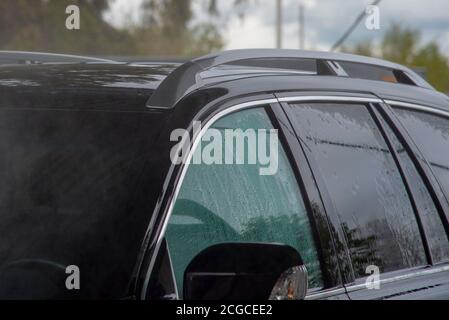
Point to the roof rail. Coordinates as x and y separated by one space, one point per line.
190 76
24 57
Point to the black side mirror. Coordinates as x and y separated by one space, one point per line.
246 271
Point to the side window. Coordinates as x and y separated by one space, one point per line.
364 184
234 203
435 233
431 134
67 179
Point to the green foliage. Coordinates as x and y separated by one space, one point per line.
165 29
436 64
38 25
402 45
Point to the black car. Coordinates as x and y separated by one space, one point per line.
115 183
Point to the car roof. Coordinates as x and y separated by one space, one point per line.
81 85
27 57
165 84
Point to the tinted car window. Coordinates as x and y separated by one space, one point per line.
364 184
233 203
431 133
73 191
366 71
433 227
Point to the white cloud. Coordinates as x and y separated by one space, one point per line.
123 12
249 33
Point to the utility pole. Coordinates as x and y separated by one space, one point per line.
302 32
279 24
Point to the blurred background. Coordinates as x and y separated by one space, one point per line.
411 32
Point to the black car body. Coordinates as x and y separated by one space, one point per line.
87 177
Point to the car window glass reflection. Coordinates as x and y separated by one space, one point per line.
234 203
423 128
364 184
433 227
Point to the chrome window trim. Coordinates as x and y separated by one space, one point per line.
418 107
414 274
325 294
197 138
172 270
330 98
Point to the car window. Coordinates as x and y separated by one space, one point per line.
234 203
431 134
364 185
433 227
71 189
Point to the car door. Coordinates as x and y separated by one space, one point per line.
227 199
391 225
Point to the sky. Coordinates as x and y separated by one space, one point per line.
325 21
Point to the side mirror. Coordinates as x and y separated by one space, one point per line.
246 271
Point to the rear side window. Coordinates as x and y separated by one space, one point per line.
364 184
431 134
433 227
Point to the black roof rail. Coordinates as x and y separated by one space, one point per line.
190 76
24 57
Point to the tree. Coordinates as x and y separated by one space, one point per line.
436 65
400 44
165 29
362 48
39 25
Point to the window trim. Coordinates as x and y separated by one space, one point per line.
418 107
404 274
329 98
